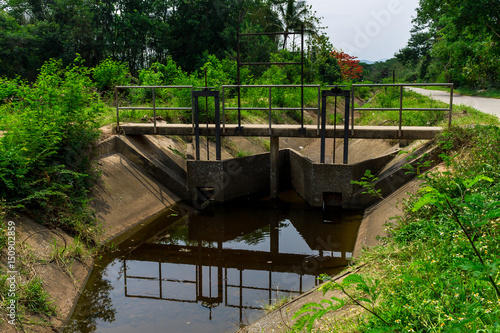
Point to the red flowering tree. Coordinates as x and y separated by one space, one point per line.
349 66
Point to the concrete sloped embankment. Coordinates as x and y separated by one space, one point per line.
36 258
131 187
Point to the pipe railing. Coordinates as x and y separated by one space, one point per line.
270 108
154 107
401 108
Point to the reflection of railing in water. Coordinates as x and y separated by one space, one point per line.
160 279
212 297
223 283
214 262
241 287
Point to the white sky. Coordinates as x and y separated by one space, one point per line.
368 29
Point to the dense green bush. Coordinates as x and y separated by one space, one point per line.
110 73
9 90
45 152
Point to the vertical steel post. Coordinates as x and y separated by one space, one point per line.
302 80
199 273
346 130
160 278
117 110
319 107
192 107
241 295
125 276
154 110
217 127
238 79
352 107
334 129
196 128
225 285
270 285
323 126
451 107
270 110
219 270
400 111
223 111
274 159
206 116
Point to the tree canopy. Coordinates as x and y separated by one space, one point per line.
141 32
456 41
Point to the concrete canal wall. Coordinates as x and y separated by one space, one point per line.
229 179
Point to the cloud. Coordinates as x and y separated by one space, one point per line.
368 29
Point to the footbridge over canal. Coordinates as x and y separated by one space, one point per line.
318 183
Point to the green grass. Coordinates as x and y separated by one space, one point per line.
243 153
177 152
439 267
31 299
277 302
36 299
331 119
389 98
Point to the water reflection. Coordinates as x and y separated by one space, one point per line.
213 272
98 305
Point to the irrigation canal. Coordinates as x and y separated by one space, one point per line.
213 271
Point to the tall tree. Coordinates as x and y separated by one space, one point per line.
462 38
293 15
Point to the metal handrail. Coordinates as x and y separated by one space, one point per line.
270 107
401 108
154 107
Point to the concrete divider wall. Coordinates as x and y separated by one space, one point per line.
106 147
312 180
301 174
329 178
235 177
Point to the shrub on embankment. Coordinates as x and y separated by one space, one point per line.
439 269
45 152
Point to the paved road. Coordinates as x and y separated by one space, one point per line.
486 105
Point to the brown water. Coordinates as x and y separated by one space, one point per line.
214 271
